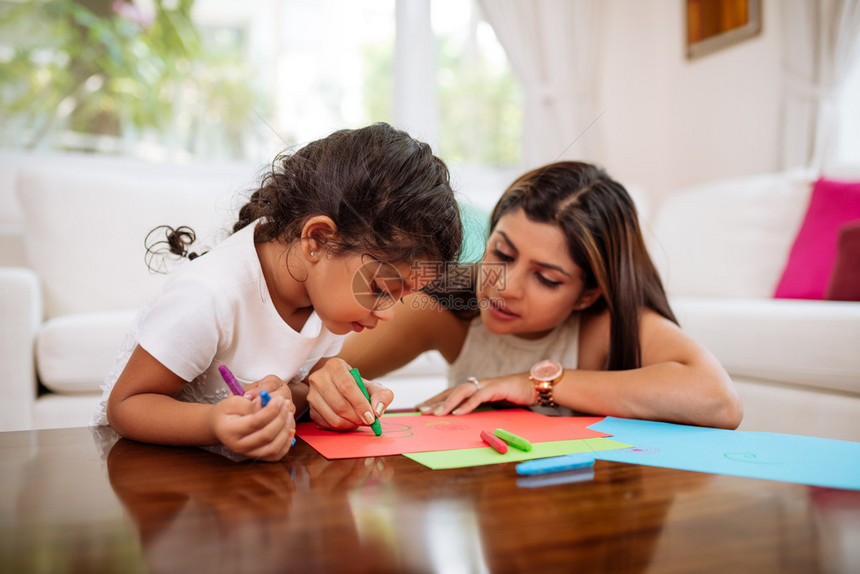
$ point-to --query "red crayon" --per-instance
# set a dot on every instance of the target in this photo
(494, 442)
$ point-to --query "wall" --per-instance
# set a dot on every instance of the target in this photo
(670, 122)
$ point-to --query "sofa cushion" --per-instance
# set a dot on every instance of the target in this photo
(813, 253)
(748, 336)
(844, 282)
(84, 231)
(730, 238)
(774, 407)
(63, 411)
(75, 353)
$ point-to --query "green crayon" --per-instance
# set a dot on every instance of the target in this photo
(376, 427)
(513, 440)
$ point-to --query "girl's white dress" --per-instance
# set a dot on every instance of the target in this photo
(217, 310)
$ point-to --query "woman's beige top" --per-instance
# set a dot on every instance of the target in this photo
(485, 354)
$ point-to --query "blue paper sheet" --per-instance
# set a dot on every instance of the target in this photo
(772, 456)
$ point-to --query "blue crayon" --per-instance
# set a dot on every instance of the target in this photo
(556, 463)
(265, 397)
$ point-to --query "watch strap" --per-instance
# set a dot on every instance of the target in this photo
(545, 398)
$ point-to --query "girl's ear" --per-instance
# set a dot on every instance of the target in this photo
(316, 232)
(587, 298)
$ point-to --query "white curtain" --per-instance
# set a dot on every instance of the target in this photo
(552, 46)
(821, 44)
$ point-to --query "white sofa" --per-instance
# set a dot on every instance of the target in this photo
(72, 270)
(721, 248)
(72, 276)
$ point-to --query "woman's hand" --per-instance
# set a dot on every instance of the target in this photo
(337, 403)
(253, 431)
(466, 397)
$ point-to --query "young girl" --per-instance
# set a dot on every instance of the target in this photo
(323, 248)
(566, 278)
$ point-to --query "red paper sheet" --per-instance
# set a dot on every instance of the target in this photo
(419, 433)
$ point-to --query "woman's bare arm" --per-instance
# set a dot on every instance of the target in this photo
(679, 381)
(420, 324)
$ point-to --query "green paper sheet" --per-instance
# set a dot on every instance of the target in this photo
(442, 459)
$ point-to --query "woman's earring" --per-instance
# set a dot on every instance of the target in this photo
(313, 253)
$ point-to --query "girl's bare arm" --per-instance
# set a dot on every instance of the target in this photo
(420, 324)
(141, 407)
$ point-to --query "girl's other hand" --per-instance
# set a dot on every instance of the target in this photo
(275, 386)
(253, 431)
(466, 397)
(337, 403)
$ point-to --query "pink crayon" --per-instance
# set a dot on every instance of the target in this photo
(494, 442)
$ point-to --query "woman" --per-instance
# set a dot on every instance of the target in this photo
(565, 277)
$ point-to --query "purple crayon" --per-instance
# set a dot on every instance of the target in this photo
(231, 381)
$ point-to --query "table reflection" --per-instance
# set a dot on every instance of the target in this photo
(595, 522)
(130, 507)
(419, 534)
(198, 511)
(308, 506)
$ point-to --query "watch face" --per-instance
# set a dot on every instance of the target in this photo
(546, 370)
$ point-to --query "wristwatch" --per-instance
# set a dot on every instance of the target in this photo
(544, 374)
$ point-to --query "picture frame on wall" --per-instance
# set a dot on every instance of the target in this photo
(712, 25)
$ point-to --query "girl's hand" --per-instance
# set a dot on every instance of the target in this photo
(275, 386)
(337, 403)
(253, 431)
(466, 397)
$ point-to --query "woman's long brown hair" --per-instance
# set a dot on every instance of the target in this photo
(601, 226)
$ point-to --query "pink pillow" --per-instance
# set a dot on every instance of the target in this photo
(811, 260)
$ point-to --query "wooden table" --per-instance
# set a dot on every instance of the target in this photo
(71, 505)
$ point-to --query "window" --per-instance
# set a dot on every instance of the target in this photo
(219, 79)
(480, 100)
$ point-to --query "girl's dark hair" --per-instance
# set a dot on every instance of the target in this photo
(386, 192)
(600, 224)
(174, 245)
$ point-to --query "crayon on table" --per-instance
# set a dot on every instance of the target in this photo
(231, 381)
(494, 442)
(376, 427)
(513, 440)
(556, 463)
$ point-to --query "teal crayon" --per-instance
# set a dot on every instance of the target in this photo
(557, 463)
(376, 427)
(513, 440)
